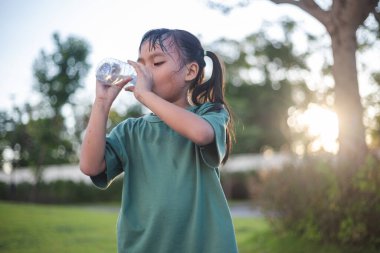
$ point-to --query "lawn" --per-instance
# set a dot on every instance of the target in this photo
(29, 228)
(254, 235)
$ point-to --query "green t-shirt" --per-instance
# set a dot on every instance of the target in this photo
(172, 198)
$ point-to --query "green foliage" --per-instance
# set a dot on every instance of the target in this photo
(37, 135)
(60, 73)
(260, 116)
(372, 104)
(60, 192)
(324, 203)
(116, 117)
(259, 87)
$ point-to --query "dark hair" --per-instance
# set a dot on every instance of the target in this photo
(200, 91)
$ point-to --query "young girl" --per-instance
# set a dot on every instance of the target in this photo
(172, 197)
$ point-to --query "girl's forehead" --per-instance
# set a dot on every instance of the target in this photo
(166, 48)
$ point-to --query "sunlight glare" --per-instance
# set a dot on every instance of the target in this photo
(322, 124)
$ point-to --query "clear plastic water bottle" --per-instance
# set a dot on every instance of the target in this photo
(111, 71)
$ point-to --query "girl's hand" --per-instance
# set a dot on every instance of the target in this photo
(144, 80)
(108, 93)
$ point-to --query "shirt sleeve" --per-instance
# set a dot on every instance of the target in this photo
(213, 153)
(114, 158)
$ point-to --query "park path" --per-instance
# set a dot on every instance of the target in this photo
(243, 209)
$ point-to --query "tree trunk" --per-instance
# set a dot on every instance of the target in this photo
(342, 21)
(352, 145)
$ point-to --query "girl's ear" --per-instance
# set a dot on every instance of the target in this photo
(192, 71)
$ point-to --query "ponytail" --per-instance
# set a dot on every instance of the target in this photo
(213, 91)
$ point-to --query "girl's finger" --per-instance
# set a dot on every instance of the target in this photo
(130, 88)
(135, 65)
(123, 82)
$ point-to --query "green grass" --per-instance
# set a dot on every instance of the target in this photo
(31, 228)
(27, 228)
(256, 235)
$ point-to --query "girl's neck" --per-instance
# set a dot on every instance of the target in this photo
(182, 99)
(183, 103)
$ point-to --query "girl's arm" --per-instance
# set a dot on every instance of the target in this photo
(186, 123)
(92, 161)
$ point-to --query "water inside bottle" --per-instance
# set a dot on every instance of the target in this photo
(110, 73)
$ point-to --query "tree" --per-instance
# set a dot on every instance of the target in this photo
(261, 81)
(37, 133)
(59, 74)
(373, 101)
(342, 19)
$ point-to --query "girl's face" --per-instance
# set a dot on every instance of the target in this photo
(169, 75)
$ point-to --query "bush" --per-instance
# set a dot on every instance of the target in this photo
(324, 203)
(61, 191)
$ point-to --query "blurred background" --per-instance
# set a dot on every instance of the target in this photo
(303, 82)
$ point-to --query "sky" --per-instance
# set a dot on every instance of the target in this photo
(113, 28)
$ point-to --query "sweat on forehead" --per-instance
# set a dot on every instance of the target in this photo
(163, 40)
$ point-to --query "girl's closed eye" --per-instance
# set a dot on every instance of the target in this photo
(159, 63)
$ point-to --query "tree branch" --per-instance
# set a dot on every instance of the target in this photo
(310, 6)
(377, 16)
(357, 11)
